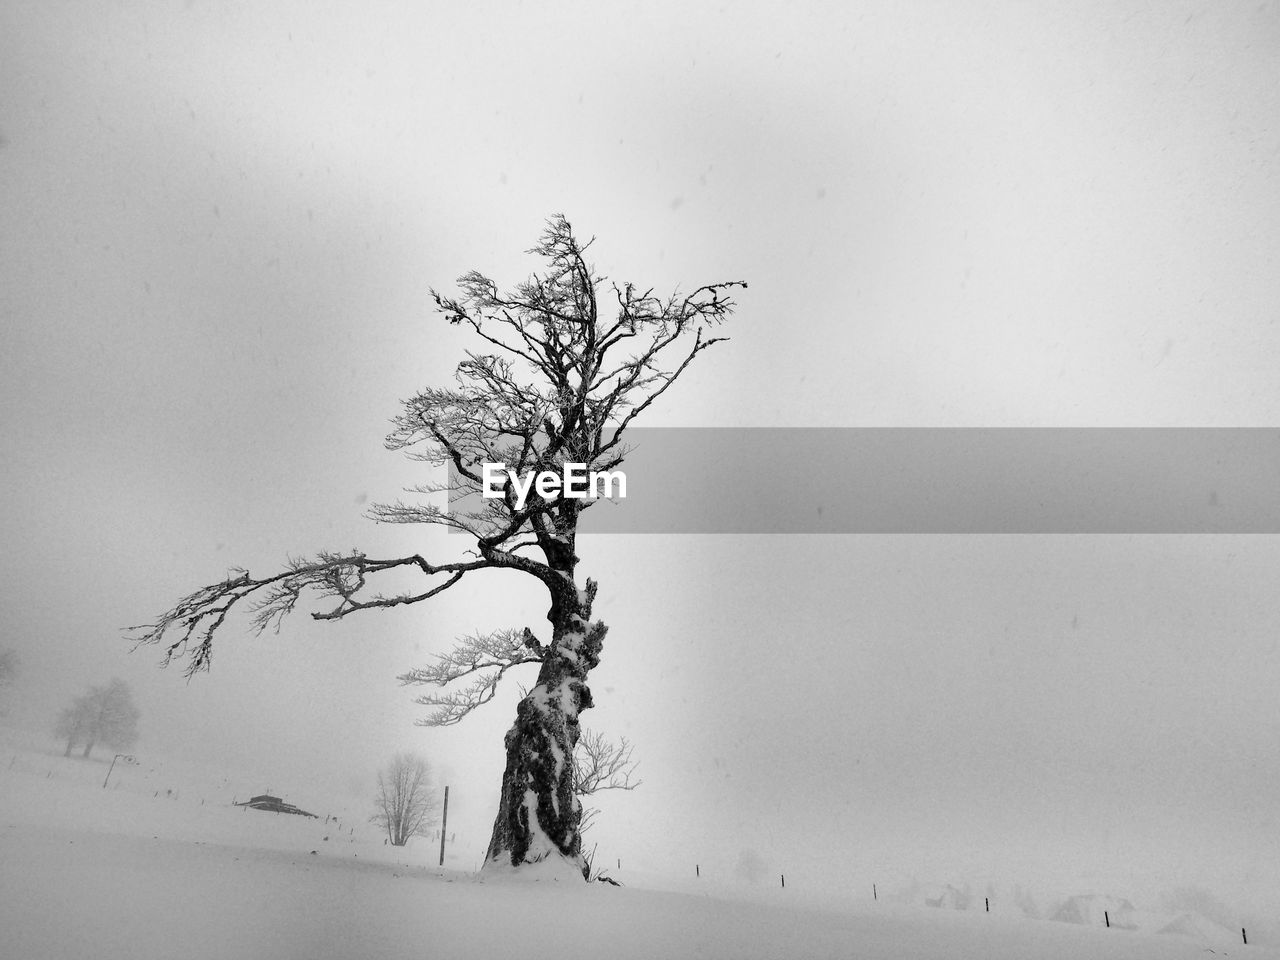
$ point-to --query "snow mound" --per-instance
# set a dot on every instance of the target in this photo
(1096, 910)
(1200, 929)
(550, 869)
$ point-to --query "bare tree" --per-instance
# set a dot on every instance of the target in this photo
(72, 723)
(557, 379)
(105, 714)
(751, 867)
(9, 665)
(601, 764)
(405, 798)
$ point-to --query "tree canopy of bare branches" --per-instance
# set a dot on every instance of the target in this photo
(601, 764)
(105, 714)
(565, 362)
(405, 798)
(9, 665)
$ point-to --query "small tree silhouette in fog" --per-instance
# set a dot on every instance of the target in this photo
(405, 798)
(8, 673)
(750, 867)
(105, 714)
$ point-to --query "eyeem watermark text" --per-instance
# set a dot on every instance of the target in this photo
(575, 482)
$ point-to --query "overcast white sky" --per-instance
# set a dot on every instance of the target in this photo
(221, 221)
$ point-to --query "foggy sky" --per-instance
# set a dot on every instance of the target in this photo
(221, 224)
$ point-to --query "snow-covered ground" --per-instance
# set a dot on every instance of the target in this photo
(160, 864)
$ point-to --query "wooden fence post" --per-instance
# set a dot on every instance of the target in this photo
(444, 823)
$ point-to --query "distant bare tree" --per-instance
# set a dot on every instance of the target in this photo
(405, 798)
(751, 867)
(9, 664)
(72, 723)
(601, 764)
(105, 714)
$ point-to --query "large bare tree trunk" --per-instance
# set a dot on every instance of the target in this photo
(539, 811)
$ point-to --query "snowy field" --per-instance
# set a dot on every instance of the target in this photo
(160, 864)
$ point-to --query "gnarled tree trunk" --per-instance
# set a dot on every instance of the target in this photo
(539, 811)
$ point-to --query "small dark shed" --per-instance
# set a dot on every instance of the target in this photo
(275, 804)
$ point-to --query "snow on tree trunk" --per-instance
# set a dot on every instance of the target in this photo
(539, 811)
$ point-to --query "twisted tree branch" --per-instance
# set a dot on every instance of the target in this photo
(342, 577)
